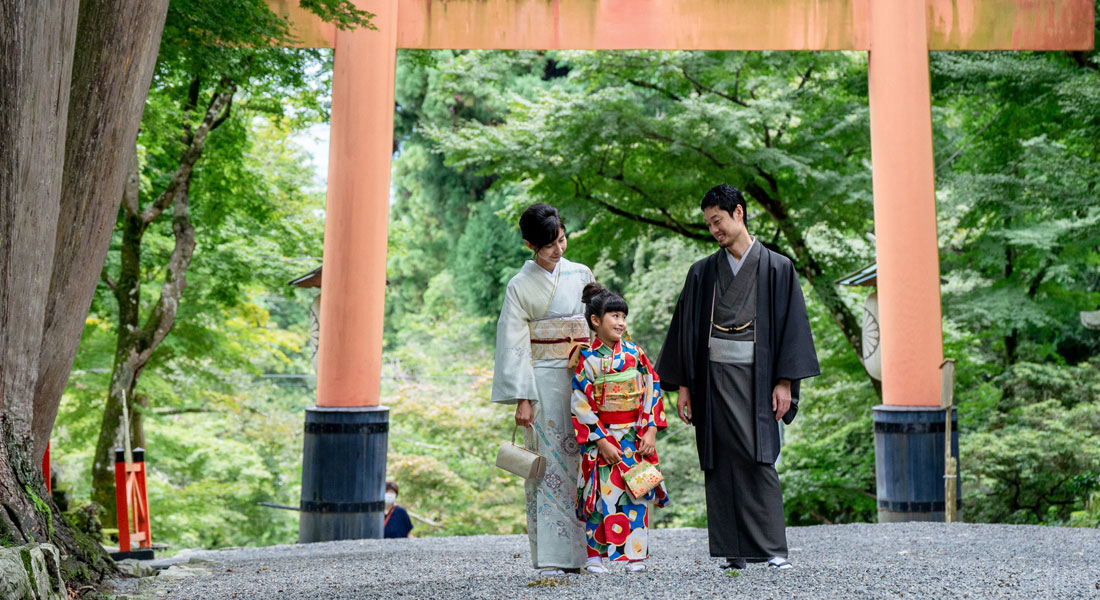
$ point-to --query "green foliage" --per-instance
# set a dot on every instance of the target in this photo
(831, 479)
(444, 433)
(655, 279)
(631, 140)
(442, 217)
(222, 435)
(1038, 461)
(487, 254)
(1020, 221)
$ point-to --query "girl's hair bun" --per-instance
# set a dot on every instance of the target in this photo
(591, 290)
(599, 301)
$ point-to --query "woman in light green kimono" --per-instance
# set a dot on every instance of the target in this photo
(541, 320)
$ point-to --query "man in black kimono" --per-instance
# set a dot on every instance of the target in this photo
(738, 344)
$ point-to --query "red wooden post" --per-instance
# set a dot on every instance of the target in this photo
(121, 498)
(46, 468)
(140, 500)
(130, 494)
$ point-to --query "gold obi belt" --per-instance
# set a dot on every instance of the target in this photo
(618, 396)
(553, 339)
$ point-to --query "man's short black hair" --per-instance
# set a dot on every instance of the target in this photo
(540, 224)
(727, 198)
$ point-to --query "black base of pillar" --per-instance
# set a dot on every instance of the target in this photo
(343, 473)
(139, 554)
(909, 463)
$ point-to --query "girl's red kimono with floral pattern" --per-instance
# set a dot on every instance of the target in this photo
(616, 396)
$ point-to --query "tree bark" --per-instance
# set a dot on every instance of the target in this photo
(36, 52)
(63, 113)
(116, 50)
(135, 343)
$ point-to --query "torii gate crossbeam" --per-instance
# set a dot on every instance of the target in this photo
(898, 34)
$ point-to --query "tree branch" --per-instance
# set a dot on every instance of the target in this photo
(163, 317)
(651, 86)
(611, 208)
(806, 263)
(699, 85)
(671, 223)
(216, 112)
(737, 75)
(131, 190)
(167, 412)
(664, 138)
(962, 147)
(106, 279)
(787, 118)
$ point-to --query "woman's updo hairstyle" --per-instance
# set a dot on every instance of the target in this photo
(540, 225)
(599, 301)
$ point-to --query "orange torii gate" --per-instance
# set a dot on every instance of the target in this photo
(897, 33)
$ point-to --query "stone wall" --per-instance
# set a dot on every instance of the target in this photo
(31, 572)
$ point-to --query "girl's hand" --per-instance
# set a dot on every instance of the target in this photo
(525, 413)
(609, 452)
(647, 444)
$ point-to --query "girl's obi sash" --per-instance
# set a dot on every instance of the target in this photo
(618, 397)
(553, 339)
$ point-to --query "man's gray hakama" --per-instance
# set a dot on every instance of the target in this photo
(744, 498)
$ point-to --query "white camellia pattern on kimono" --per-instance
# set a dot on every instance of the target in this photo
(556, 535)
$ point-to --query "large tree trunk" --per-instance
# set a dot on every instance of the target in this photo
(116, 50)
(61, 123)
(36, 52)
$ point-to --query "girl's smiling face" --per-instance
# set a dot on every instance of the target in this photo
(611, 327)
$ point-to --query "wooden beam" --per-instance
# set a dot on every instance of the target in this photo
(713, 24)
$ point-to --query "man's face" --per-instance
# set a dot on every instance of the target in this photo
(722, 226)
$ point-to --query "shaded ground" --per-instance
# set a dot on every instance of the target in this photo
(904, 560)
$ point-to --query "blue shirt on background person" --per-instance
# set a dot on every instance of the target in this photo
(397, 522)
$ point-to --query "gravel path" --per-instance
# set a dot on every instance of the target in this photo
(904, 560)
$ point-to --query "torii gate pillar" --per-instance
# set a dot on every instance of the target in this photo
(909, 425)
(344, 456)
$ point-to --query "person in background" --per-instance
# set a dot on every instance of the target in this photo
(397, 523)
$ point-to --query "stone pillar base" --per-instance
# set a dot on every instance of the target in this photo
(909, 463)
(343, 473)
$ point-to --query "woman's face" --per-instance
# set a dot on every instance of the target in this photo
(549, 255)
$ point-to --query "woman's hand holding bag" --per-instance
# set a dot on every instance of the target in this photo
(519, 460)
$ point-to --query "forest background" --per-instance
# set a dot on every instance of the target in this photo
(624, 144)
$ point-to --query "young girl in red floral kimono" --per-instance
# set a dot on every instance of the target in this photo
(617, 411)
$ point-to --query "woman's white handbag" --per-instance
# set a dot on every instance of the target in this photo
(519, 460)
